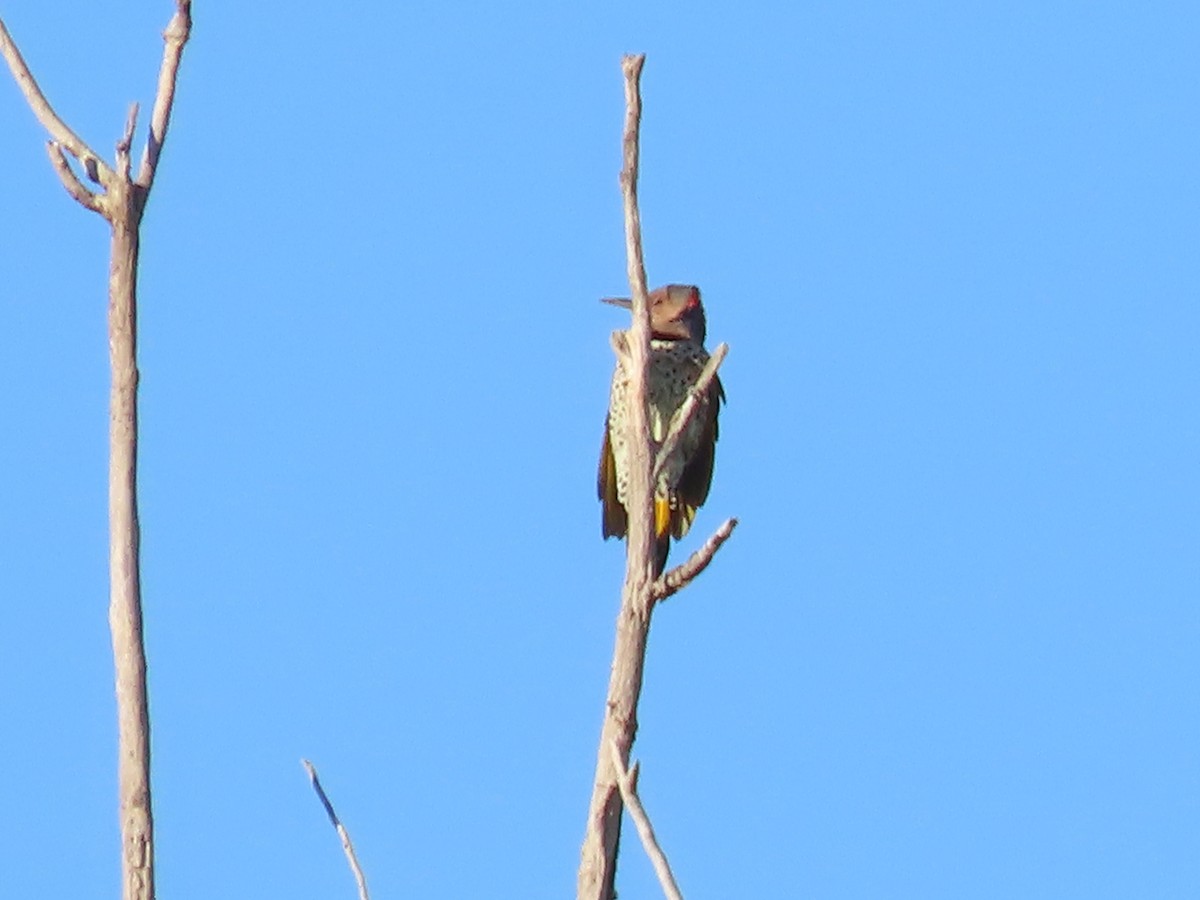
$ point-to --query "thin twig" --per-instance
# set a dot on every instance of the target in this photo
(59, 131)
(178, 31)
(681, 576)
(619, 341)
(126, 142)
(70, 180)
(626, 781)
(688, 409)
(347, 846)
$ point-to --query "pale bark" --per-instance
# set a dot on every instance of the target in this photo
(598, 864)
(681, 576)
(122, 203)
(598, 858)
(627, 782)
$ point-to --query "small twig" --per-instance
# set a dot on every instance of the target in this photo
(126, 142)
(619, 341)
(687, 410)
(70, 180)
(59, 131)
(681, 576)
(178, 31)
(341, 830)
(627, 782)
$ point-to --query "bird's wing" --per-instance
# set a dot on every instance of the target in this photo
(613, 522)
(696, 477)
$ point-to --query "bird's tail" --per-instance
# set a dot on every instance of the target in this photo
(662, 533)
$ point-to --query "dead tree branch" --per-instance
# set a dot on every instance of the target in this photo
(70, 180)
(347, 846)
(641, 590)
(681, 576)
(627, 782)
(598, 862)
(122, 204)
(176, 35)
(45, 113)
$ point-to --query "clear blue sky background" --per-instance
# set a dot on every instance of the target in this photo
(950, 652)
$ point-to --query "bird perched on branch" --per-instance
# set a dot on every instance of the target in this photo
(677, 356)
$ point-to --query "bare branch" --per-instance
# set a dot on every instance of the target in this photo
(125, 590)
(619, 341)
(687, 410)
(626, 781)
(70, 180)
(631, 66)
(640, 537)
(681, 576)
(598, 858)
(179, 29)
(121, 205)
(347, 846)
(612, 785)
(45, 113)
(126, 142)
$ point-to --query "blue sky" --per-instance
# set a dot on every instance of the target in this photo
(951, 650)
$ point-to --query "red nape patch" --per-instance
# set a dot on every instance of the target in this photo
(693, 300)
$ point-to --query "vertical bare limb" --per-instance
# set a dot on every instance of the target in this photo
(121, 204)
(125, 603)
(347, 846)
(598, 863)
(627, 781)
(641, 590)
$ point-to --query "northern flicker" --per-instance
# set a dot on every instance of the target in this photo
(677, 355)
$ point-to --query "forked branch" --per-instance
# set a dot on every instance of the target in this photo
(627, 781)
(122, 204)
(117, 181)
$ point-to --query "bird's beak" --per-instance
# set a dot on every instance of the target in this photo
(623, 302)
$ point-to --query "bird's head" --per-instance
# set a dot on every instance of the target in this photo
(676, 313)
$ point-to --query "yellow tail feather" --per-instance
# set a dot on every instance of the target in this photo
(662, 516)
